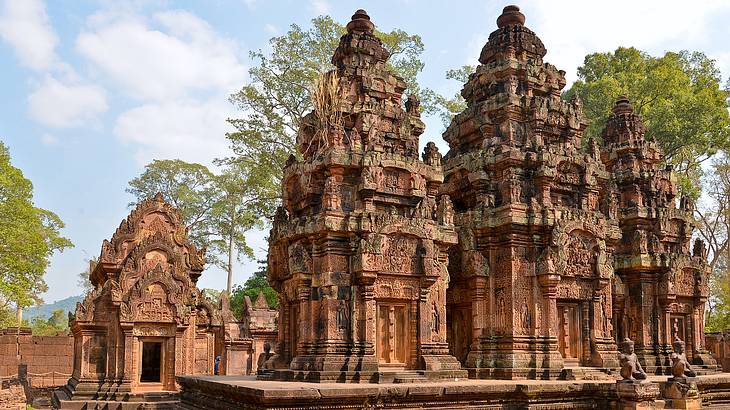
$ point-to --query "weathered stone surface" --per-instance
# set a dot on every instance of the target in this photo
(566, 247)
(144, 292)
(359, 250)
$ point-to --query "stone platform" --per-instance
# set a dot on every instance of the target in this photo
(226, 392)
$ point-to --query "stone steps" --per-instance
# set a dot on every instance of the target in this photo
(409, 376)
(587, 373)
(118, 405)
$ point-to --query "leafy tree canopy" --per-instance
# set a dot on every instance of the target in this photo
(278, 95)
(256, 284)
(217, 210)
(28, 237)
(446, 108)
(57, 323)
(189, 187)
(678, 96)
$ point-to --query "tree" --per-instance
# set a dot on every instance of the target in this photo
(217, 210)
(678, 95)
(55, 324)
(446, 108)
(189, 187)
(28, 238)
(84, 280)
(254, 285)
(714, 227)
(237, 211)
(278, 95)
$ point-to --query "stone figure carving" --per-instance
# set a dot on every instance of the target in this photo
(680, 366)
(332, 198)
(435, 322)
(261, 362)
(445, 211)
(630, 367)
(431, 155)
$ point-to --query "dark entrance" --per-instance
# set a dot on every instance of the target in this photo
(151, 360)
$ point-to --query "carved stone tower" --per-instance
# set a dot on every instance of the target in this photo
(358, 252)
(146, 321)
(530, 279)
(660, 285)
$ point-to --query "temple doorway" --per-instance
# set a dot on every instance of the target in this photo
(393, 336)
(459, 321)
(569, 334)
(151, 362)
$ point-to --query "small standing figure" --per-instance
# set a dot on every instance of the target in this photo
(217, 366)
(680, 365)
(630, 367)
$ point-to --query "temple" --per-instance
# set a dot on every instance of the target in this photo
(359, 250)
(660, 282)
(146, 321)
(526, 252)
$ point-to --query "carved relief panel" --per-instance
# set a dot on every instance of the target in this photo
(154, 305)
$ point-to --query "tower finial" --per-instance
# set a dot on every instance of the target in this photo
(360, 22)
(511, 16)
(623, 105)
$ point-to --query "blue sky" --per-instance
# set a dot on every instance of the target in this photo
(93, 90)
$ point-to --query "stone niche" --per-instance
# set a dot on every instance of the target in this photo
(145, 321)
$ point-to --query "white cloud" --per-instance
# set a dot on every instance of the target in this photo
(25, 26)
(319, 7)
(58, 104)
(49, 139)
(189, 130)
(571, 29)
(271, 29)
(168, 57)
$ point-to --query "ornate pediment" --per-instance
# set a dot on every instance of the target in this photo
(152, 225)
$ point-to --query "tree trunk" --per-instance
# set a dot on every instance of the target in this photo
(230, 256)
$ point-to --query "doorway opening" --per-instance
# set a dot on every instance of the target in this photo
(569, 333)
(151, 362)
(393, 338)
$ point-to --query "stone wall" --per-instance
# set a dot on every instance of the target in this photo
(49, 358)
(719, 345)
(12, 396)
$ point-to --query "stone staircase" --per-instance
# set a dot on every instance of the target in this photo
(588, 373)
(141, 401)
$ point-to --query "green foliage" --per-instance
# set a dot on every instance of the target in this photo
(28, 237)
(278, 96)
(57, 323)
(8, 317)
(256, 284)
(218, 210)
(717, 317)
(678, 95)
(213, 295)
(447, 108)
(189, 187)
(713, 226)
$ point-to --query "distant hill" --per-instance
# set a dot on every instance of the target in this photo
(44, 311)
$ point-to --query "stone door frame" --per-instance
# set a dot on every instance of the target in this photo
(152, 386)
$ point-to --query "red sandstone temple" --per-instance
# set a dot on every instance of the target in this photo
(525, 252)
(146, 321)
